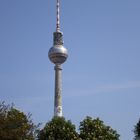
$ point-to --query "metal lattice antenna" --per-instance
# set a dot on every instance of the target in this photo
(58, 16)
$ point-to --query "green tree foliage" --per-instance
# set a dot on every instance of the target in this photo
(58, 129)
(90, 129)
(137, 130)
(15, 125)
(95, 129)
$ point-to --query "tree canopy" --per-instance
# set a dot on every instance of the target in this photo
(137, 130)
(15, 125)
(95, 129)
(58, 129)
(90, 129)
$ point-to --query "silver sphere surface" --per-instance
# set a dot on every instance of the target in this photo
(58, 54)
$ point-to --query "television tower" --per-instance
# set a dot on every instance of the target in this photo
(58, 55)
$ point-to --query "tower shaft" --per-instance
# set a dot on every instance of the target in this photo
(58, 92)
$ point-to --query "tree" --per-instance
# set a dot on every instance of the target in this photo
(137, 130)
(95, 129)
(90, 129)
(58, 129)
(15, 125)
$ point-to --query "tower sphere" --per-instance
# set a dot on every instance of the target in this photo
(58, 54)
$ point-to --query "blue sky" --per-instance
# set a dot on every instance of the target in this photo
(101, 77)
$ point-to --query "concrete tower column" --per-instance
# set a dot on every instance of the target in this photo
(58, 92)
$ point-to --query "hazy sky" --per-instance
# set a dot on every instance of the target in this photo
(101, 77)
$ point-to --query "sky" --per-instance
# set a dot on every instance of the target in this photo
(101, 77)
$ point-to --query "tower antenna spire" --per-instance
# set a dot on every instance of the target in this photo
(58, 16)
